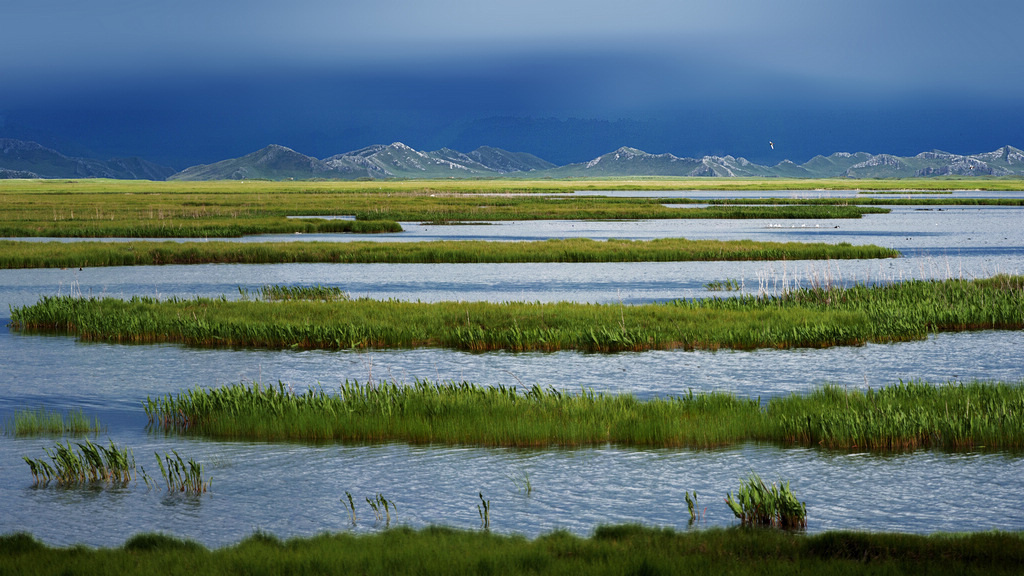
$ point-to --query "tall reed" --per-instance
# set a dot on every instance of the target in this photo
(182, 476)
(88, 463)
(758, 504)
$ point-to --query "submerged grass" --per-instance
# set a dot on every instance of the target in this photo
(903, 416)
(16, 254)
(622, 549)
(809, 317)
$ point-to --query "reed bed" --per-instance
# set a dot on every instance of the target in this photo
(16, 254)
(28, 422)
(818, 316)
(446, 412)
(86, 464)
(621, 549)
(903, 416)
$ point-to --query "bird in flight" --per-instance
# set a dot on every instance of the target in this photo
(772, 144)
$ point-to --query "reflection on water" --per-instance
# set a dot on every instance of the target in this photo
(296, 489)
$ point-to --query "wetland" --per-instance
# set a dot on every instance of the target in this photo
(259, 483)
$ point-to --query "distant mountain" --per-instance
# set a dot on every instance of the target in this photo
(24, 159)
(1007, 161)
(400, 161)
(392, 161)
(273, 163)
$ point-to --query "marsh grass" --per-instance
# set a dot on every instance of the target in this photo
(86, 463)
(182, 476)
(17, 254)
(105, 208)
(903, 416)
(276, 293)
(760, 504)
(818, 316)
(724, 285)
(27, 422)
(621, 549)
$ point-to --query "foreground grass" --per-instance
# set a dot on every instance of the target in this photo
(15, 254)
(625, 549)
(899, 417)
(810, 317)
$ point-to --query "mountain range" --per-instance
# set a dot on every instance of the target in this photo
(22, 159)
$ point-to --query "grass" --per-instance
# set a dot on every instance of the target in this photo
(139, 209)
(27, 422)
(182, 476)
(136, 209)
(623, 549)
(819, 316)
(87, 464)
(904, 416)
(16, 254)
(758, 504)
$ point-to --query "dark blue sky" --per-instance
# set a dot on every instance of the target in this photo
(198, 81)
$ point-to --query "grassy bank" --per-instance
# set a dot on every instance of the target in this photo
(898, 417)
(810, 317)
(625, 549)
(14, 254)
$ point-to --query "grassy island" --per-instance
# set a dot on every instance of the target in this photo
(904, 416)
(810, 317)
(14, 254)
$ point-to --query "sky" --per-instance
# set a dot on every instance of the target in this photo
(197, 81)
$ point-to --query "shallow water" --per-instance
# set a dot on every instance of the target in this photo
(262, 486)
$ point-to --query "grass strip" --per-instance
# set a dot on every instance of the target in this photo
(809, 317)
(15, 254)
(621, 549)
(904, 416)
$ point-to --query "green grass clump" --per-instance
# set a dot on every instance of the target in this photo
(88, 463)
(18, 254)
(182, 476)
(898, 417)
(276, 293)
(758, 504)
(622, 549)
(26, 422)
(809, 317)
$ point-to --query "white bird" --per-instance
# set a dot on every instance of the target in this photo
(772, 144)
